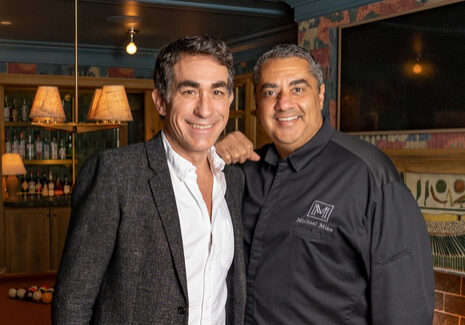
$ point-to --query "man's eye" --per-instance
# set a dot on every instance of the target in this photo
(218, 93)
(189, 92)
(298, 90)
(270, 93)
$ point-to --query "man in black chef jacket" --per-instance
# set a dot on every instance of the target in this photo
(332, 235)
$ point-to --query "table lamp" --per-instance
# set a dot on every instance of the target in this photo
(12, 165)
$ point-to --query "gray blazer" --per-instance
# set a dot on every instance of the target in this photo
(123, 261)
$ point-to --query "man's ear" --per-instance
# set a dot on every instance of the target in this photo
(321, 95)
(231, 98)
(159, 101)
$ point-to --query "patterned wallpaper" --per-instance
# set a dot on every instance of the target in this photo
(319, 36)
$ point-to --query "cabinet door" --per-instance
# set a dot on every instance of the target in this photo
(59, 219)
(27, 234)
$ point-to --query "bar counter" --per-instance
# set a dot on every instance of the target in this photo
(32, 201)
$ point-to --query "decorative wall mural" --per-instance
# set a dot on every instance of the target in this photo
(441, 198)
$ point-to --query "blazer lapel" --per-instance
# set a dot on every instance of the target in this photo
(163, 195)
(234, 200)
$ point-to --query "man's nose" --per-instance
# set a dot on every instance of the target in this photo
(284, 101)
(203, 107)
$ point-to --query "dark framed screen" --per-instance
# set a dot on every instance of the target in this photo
(405, 72)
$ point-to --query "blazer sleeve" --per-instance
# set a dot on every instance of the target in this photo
(89, 243)
(402, 280)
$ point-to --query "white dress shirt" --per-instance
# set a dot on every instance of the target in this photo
(208, 245)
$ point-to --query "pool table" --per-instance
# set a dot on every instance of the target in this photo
(24, 312)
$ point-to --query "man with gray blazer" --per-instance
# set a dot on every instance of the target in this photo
(155, 234)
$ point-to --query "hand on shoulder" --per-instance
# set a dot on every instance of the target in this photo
(235, 147)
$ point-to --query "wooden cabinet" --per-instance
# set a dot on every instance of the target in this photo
(59, 219)
(34, 238)
(27, 239)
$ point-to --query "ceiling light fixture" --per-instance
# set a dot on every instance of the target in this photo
(47, 111)
(131, 48)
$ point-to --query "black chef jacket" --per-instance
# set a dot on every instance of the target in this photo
(333, 236)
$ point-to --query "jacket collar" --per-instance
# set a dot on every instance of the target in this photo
(302, 156)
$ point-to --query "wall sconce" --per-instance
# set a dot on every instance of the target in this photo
(131, 48)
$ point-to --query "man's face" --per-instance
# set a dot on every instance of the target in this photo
(289, 103)
(198, 109)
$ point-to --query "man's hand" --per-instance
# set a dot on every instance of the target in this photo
(236, 147)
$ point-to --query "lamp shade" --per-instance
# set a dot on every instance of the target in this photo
(112, 105)
(94, 103)
(12, 164)
(47, 105)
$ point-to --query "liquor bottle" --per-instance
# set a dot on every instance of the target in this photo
(14, 112)
(15, 144)
(69, 147)
(51, 185)
(66, 186)
(24, 111)
(62, 150)
(32, 183)
(22, 145)
(38, 183)
(44, 185)
(54, 149)
(38, 146)
(29, 148)
(58, 187)
(6, 110)
(7, 143)
(45, 149)
(24, 184)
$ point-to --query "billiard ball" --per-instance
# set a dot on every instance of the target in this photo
(37, 295)
(12, 293)
(46, 297)
(20, 293)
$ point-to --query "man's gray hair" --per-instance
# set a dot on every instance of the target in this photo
(283, 51)
(190, 45)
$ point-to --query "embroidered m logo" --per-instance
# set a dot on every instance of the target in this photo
(320, 210)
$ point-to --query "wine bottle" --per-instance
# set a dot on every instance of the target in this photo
(7, 143)
(62, 151)
(69, 147)
(14, 112)
(38, 183)
(29, 148)
(54, 149)
(45, 149)
(51, 185)
(58, 187)
(15, 144)
(32, 183)
(24, 111)
(22, 145)
(6, 110)
(66, 186)
(38, 147)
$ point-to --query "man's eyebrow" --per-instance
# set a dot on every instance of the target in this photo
(219, 84)
(299, 81)
(268, 85)
(188, 83)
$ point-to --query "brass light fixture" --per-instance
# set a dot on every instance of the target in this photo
(47, 110)
(131, 48)
(49, 114)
